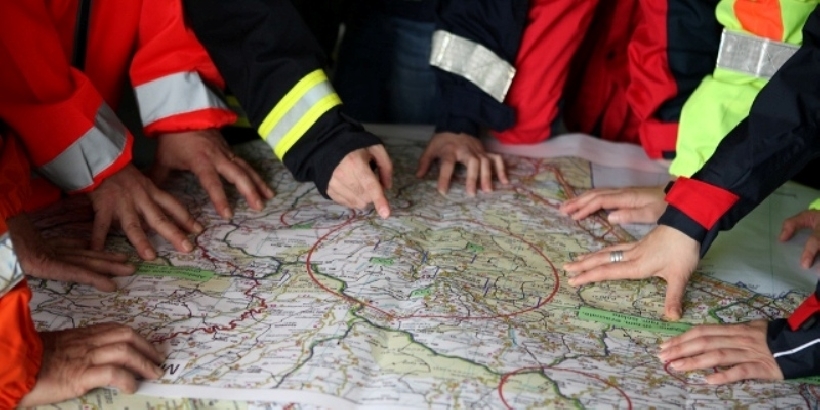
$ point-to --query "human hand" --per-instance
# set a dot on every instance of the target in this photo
(450, 148)
(742, 347)
(65, 259)
(806, 219)
(353, 183)
(76, 361)
(127, 197)
(665, 253)
(206, 154)
(628, 205)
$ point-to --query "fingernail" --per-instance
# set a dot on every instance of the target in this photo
(259, 205)
(662, 356)
(613, 219)
(571, 281)
(384, 213)
(187, 245)
(198, 228)
(159, 372)
(664, 345)
(149, 255)
(227, 214)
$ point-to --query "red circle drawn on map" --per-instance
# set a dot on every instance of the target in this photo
(506, 377)
(392, 316)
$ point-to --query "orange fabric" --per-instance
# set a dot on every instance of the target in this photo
(21, 346)
(191, 121)
(50, 105)
(761, 17)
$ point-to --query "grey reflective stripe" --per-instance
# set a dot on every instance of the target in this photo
(10, 272)
(299, 109)
(471, 60)
(756, 56)
(175, 94)
(76, 167)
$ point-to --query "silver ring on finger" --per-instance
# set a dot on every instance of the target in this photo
(616, 256)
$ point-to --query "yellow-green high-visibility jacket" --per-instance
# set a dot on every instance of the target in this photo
(723, 99)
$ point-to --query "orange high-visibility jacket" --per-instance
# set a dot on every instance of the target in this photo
(65, 116)
(19, 342)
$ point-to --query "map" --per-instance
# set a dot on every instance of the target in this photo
(452, 302)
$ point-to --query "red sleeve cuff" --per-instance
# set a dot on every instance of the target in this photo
(192, 121)
(805, 313)
(702, 202)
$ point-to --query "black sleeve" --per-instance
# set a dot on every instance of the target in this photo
(498, 26)
(778, 138)
(797, 352)
(263, 48)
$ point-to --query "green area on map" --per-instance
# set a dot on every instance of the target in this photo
(381, 261)
(472, 247)
(420, 293)
(806, 380)
(633, 322)
(182, 272)
(306, 225)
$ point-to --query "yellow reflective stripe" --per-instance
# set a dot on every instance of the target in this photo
(289, 100)
(304, 124)
(297, 111)
(815, 205)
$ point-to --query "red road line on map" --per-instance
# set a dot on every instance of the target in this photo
(391, 316)
(506, 377)
(232, 324)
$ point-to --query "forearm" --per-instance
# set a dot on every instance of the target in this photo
(474, 51)
(779, 137)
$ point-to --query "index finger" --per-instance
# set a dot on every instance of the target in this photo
(375, 193)
(384, 164)
(673, 304)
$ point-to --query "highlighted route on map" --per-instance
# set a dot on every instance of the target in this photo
(199, 275)
(633, 322)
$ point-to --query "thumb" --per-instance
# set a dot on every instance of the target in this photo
(673, 306)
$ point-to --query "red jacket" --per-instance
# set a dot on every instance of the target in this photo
(19, 342)
(619, 69)
(64, 116)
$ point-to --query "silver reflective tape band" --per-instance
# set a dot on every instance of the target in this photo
(10, 272)
(299, 109)
(472, 61)
(174, 94)
(76, 167)
(756, 56)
